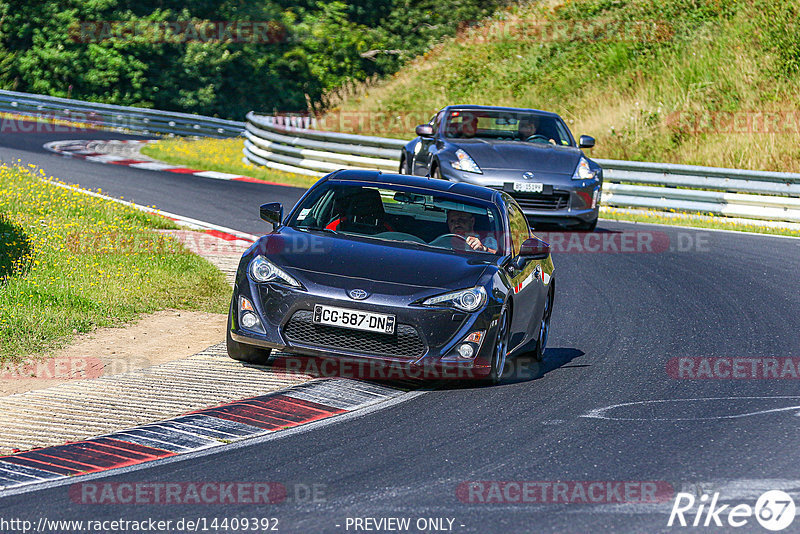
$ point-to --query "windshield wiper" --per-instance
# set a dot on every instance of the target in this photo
(420, 244)
(309, 229)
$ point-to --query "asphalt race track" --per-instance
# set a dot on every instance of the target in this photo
(621, 320)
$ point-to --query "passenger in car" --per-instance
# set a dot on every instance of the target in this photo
(469, 126)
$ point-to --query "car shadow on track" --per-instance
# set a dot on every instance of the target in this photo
(390, 375)
(521, 369)
(524, 368)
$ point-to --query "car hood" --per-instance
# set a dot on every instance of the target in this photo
(516, 155)
(315, 256)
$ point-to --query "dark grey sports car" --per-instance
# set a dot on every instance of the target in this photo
(527, 153)
(429, 275)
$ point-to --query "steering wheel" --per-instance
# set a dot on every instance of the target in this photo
(538, 137)
(445, 236)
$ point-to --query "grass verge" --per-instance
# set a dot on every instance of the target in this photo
(692, 219)
(222, 155)
(72, 263)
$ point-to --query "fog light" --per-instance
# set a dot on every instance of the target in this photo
(245, 305)
(466, 351)
(249, 320)
(475, 337)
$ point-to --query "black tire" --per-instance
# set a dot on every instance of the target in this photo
(544, 327)
(244, 353)
(403, 165)
(588, 226)
(436, 174)
(500, 354)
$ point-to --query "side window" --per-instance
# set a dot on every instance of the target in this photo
(519, 227)
(562, 131)
(437, 121)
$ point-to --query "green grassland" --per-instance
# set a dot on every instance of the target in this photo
(70, 263)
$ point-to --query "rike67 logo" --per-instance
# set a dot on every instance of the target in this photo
(774, 510)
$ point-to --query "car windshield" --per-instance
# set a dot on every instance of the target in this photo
(408, 215)
(506, 125)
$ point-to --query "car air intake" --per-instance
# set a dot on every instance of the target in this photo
(559, 200)
(406, 343)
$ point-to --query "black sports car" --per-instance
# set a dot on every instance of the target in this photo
(419, 272)
(527, 153)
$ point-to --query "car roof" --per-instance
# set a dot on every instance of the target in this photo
(499, 108)
(459, 188)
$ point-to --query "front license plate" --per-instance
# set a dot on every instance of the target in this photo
(358, 320)
(528, 187)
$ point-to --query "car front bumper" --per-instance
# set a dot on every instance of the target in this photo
(562, 200)
(423, 346)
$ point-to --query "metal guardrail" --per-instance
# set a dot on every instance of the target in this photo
(288, 144)
(770, 196)
(123, 117)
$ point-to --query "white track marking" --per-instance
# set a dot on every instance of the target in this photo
(601, 413)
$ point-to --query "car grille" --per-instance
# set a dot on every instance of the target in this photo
(537, 201)
(406, 343)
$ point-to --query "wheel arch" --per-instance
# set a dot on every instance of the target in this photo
(508, 306)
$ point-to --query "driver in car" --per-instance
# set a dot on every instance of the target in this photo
(525, 129)
(528, 128)
(462, 224)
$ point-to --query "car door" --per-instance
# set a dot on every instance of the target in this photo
(526, 278)
(424, 150)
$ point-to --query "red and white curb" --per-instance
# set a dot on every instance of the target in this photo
(204, 429)
(83, 149)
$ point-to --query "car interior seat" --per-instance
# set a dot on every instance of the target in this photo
(363, 212)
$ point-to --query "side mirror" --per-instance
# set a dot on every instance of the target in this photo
(272, 213)
(424, 130)
(586, 141)
(534, 249)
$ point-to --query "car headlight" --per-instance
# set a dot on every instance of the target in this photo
(263, 270)
(467, 300)
(465, 163)
(583, 171)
